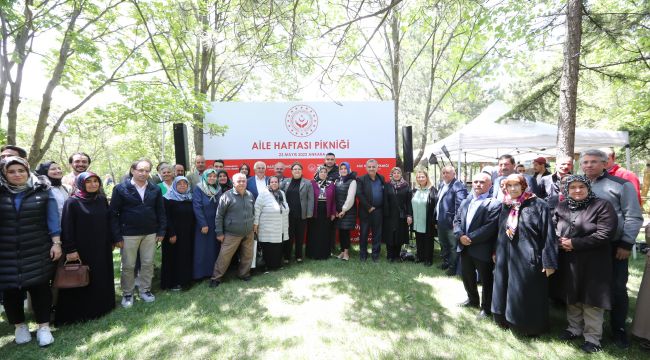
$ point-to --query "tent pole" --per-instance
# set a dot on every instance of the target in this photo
(627, 156)
(459, 156)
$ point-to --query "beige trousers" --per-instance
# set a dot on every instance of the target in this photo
(228, 249)
(586, 320)
(146, 246)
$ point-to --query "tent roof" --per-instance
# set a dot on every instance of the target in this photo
(483, 139)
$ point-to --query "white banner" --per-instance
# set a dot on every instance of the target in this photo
(277, 130)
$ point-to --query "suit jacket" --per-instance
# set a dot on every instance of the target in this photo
(449, 203)
(251, 185)
(482, 230)
(364, 194)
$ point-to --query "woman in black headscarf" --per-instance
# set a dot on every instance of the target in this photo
(346, 208)
(29, 245)
(53, 172)
(585, 226)
(86, 238)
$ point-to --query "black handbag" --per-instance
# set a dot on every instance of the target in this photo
(259, 255)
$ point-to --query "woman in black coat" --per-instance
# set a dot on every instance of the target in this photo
(86, 237)
(29, 245)
(178, 245)
(423, 205)
(526, 254)
(397, 214)
(585, 225)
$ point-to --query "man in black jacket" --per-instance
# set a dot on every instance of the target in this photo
(370, 191)
(475, 227)
(138, 222)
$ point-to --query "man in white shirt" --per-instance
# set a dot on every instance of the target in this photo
(258, 183)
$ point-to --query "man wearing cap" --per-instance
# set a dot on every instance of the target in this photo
(539, 165)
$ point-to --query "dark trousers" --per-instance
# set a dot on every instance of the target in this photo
(272, 253)
(296, 236)
(620, 300)
(424, 246)
(333, 236)
(469, 267)
(393, 251)
(41, 303)
(448, 245)
(344, 239)
(374, 222)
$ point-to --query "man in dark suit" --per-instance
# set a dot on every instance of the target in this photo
(370, 191)
(452, 193)
(475, 227)
(256, 184)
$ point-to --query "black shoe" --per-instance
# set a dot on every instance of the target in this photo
(590, 348)
(468, 303)
(483, 315)
(443, 266)
(428, 263)
(246, 278)
(214, 283)
(620, 339)
(567, 335)
(450, 272)
(375, 260)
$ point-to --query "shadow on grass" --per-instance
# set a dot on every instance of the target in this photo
(318, 309)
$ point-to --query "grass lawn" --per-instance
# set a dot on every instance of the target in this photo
(315, 310)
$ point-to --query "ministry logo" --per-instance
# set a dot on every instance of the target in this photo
(301, 120)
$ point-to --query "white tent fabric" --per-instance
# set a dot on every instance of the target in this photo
(484, 140)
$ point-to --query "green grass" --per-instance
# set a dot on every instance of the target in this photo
(315, 310)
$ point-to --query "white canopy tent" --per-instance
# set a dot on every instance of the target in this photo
(484, 140)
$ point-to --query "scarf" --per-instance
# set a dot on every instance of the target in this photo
(174, 194)
(228, 185)
(322, 183)
(277, 195)
(513, 215)
(351, 174)
(80, 186)
(33, 181)
(575, 205)
(397, 184)
(210, 191)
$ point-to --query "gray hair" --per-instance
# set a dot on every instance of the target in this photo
(371, 161)
(165, 166)
(259, 163)
(485, 175)
(594, 152)
(238, 175)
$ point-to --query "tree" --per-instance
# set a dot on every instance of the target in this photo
(569, 82)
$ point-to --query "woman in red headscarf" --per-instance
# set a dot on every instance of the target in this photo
(86, 237)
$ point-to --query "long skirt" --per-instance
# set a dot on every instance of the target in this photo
(272, 253)
(318, 243)
(641, 324)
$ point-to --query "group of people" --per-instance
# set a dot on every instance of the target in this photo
(526, 239)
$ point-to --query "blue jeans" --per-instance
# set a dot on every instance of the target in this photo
(373, 222)
(620, 300)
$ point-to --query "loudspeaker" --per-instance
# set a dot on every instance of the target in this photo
(180, 146)
(407, 148)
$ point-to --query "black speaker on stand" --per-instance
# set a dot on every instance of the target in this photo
(180, 146)
(407, 148)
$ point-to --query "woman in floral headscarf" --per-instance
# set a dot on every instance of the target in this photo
(86, 238)
(584, 226)
(526, 254)
(205, 198)
(178, 245)
(318, 246)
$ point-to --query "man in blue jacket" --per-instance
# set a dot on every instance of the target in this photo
(452, 193)
(138, 221)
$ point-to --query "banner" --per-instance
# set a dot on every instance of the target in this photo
(304, 132)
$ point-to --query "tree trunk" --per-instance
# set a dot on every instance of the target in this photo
(395, 74)
(569, 82)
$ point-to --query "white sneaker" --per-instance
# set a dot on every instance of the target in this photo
(127, 301)
(147, 296)
(44, 336)
(22, 334)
